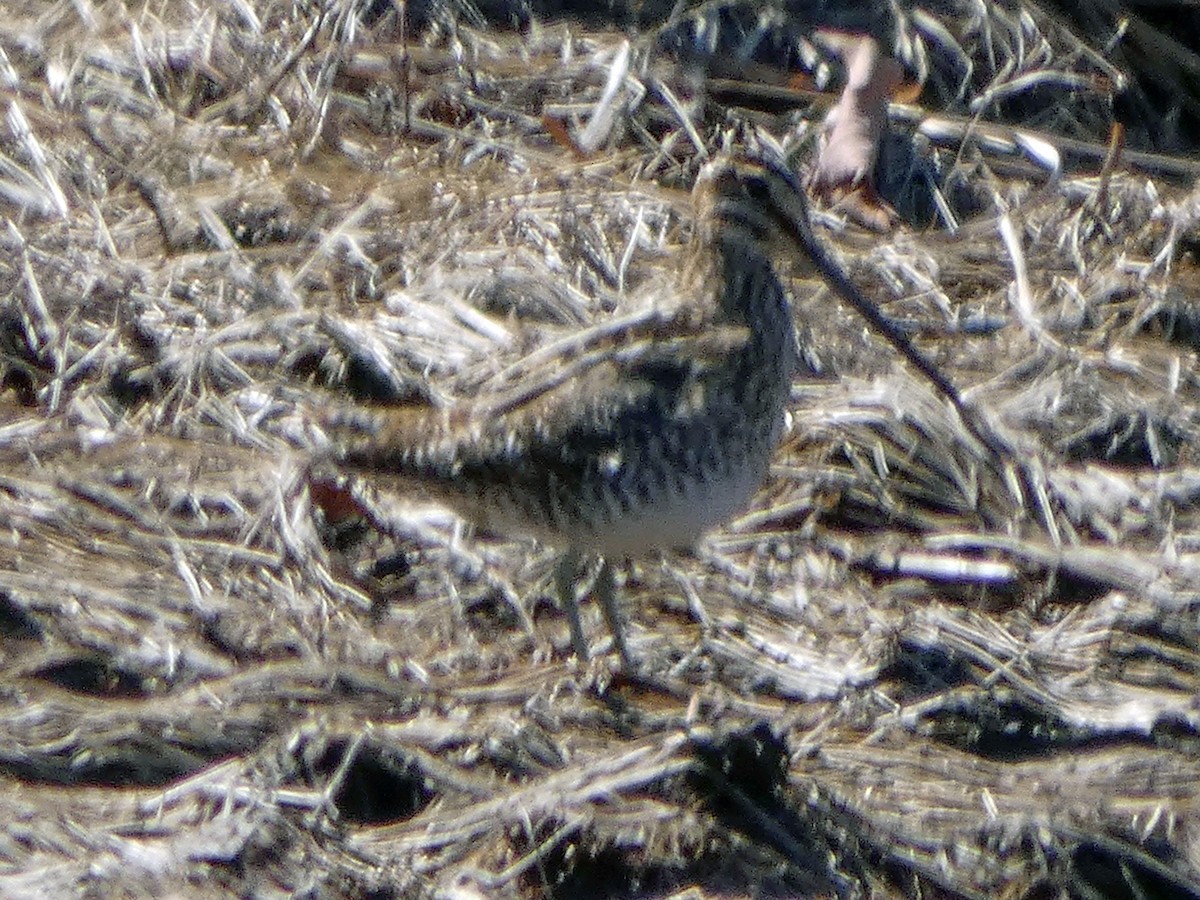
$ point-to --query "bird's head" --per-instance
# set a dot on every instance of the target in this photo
(754, 198)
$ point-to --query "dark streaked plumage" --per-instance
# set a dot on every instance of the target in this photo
(645, 444)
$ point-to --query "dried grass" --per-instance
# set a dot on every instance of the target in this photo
(912, 669)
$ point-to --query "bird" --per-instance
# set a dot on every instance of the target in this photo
(642, 446)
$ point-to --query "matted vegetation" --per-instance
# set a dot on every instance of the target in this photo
(913, 668)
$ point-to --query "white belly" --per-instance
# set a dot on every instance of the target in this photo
(674, 521)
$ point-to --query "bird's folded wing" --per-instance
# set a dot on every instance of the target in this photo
(559, 414)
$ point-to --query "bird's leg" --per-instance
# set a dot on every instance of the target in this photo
(606, 592)
(565, 572)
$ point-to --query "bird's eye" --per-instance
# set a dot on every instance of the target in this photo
(757, 190)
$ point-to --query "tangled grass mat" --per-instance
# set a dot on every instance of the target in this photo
(910, 669)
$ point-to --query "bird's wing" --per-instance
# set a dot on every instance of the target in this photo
(559, 414)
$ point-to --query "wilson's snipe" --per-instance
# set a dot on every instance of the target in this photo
(649, 444)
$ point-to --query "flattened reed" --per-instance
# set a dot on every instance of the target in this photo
(913, 667)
